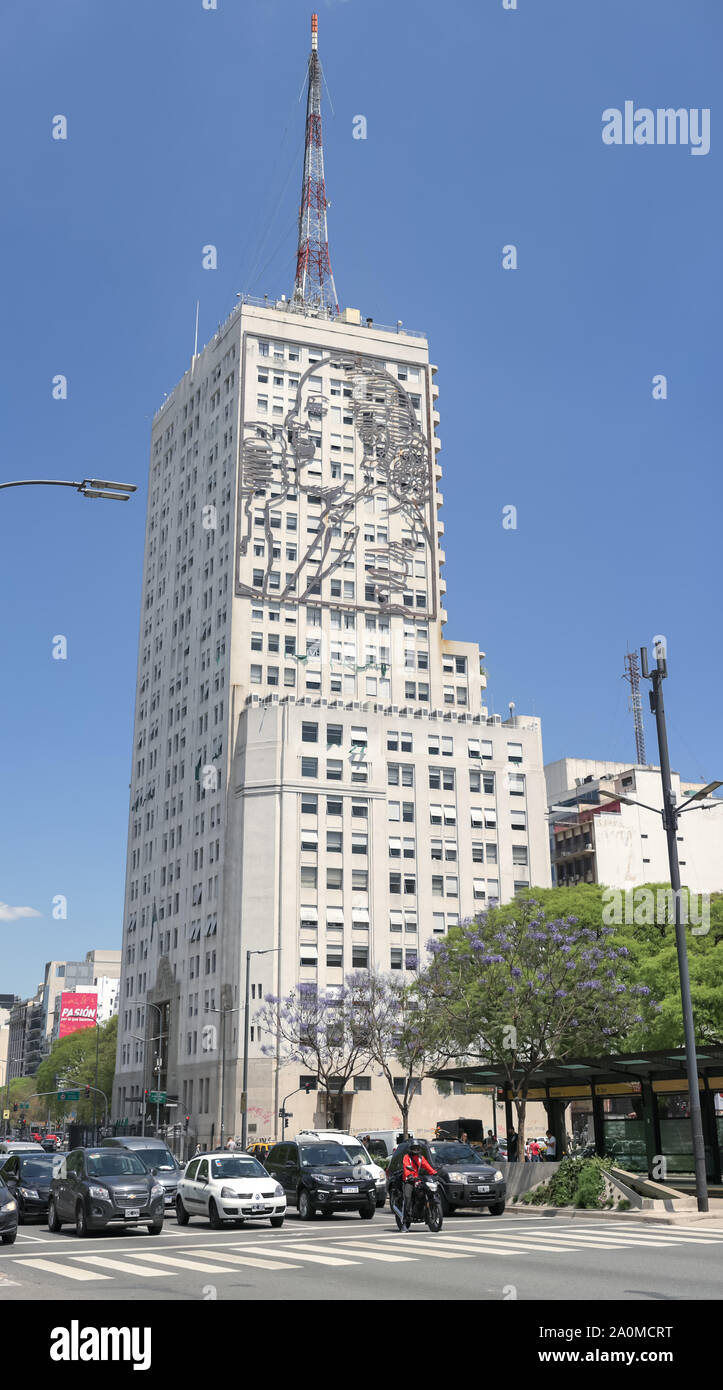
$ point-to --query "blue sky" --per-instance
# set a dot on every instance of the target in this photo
(483, 129)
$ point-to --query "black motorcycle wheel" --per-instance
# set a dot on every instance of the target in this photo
(433, 1214)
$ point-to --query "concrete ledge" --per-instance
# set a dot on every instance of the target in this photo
(521, 1177)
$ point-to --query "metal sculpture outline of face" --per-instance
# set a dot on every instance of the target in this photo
(395, 464)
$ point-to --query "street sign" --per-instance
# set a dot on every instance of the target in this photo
(6, 1114)
(68, 1095)
(25, 1105)
(157, 1097)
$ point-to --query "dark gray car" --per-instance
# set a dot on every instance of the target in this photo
(28, 1177)
(8, 1215)
(97, 1188)
(157, 1157)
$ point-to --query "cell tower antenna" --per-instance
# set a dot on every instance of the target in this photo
(314, 286)
(632, 675)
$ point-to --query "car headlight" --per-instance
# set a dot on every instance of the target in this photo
(30, 1192)
(9, 1206)
(499, 1177)
(101, 1192)
(381, 1180)
(457, 1177)
(323, 1178)
(157, 1190)
(229, 1192)
(278, 1190)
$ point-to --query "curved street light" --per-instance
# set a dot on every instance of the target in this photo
(89, 487)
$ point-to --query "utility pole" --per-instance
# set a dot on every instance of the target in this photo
(670, 823)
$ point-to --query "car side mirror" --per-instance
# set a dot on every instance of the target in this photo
(154, 1171)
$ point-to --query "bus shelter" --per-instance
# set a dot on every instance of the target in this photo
(631, 1106)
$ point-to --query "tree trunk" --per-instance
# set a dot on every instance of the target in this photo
(405, 1119)
(521, 1107)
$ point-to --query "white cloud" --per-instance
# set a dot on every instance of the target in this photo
(10, 914)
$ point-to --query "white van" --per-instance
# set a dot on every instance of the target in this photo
(390, 1138)
(355, 1149)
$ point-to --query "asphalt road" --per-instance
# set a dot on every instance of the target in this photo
(474, 1257)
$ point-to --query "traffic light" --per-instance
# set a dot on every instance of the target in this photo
(187, 1122)
(15, 1106)
(145, 1095)
(307, 1087)
(286, 1121)
(87, 1093)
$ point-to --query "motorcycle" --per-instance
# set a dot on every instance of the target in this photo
(426, 1204)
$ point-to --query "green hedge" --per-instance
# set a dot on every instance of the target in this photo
(578, 1182)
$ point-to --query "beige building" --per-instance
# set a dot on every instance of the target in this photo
(599, 838)
(315, 773)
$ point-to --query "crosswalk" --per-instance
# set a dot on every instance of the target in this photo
(348, 1249)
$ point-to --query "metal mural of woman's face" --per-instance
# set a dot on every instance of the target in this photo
(277, 461)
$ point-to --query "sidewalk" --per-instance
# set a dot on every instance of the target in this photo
(685, 1217)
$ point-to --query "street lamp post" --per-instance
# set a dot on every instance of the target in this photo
(670, 815)
(159, 1040)
(670, 822)
(223, 1011)
(244, 1084)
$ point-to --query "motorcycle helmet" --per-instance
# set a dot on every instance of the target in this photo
(415, 1147)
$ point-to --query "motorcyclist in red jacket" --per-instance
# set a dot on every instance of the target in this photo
(413, 1165)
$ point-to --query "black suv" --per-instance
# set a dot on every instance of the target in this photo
(465, 1180)
(321, 1176)
(29, 1177)
(95, 1188)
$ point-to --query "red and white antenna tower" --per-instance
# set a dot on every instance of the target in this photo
(314, 285)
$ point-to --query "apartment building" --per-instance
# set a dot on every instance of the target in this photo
(596, 836)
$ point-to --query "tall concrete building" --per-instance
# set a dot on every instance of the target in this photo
(315, 775)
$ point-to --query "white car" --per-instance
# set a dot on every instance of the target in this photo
(356, 1151)
(224, 1186)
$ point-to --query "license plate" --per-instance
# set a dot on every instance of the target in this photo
(482, 1189)
(133, 1211)
(170, 1199)
(350, 1189)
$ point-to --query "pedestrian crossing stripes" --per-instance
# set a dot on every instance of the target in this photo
(352, 1249)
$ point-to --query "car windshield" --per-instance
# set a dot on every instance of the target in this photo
(161, 1159)
(454, 1153)
(113, 1164)
(237, 1167)
(37, 1166)
(324, 1156)
(357, 1152)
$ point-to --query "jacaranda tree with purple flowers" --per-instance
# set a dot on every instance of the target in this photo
(402, 1021)
(518, 988)
(322, 1031)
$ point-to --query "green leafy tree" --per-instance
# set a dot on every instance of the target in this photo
(650, 943)
(72, 1061)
